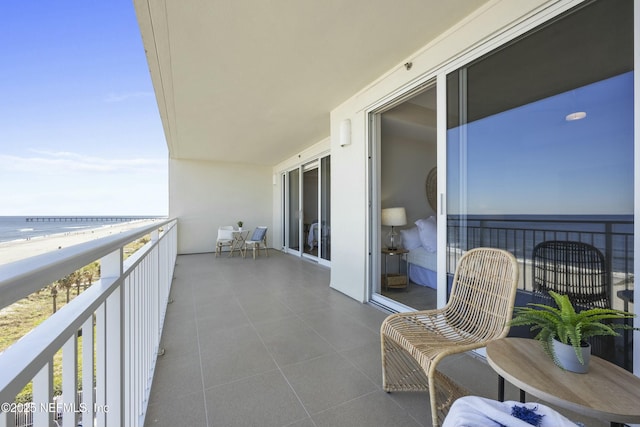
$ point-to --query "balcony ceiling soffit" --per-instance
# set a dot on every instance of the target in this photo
(255, 81)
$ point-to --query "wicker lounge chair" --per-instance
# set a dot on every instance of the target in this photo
(478, 311)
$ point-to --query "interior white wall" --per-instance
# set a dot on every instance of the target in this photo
(204, 195)
(350, 198)
(406, 163)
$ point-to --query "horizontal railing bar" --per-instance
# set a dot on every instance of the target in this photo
(21, 278)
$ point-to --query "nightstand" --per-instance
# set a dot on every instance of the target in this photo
(394, 280)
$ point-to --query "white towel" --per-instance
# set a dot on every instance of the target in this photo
(474, 411)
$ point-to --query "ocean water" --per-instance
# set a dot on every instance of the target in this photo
(14, 228)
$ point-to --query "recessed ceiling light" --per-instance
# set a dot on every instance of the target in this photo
(579, 115)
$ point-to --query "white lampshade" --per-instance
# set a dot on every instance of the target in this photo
(394, 216)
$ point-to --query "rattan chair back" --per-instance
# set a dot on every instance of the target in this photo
(575, 269)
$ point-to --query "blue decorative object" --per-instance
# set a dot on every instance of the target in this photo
(527, 415)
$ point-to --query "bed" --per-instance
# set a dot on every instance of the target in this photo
(421, 242)
(422, 267)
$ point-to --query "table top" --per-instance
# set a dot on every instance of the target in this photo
(607, 392)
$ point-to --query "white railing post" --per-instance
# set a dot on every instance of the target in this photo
(70, 382)
(111, 269)
(43, 396)
(128, 344)
(7, 419)
(88, 400)
(101, 365)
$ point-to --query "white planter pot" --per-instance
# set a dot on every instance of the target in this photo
(568, 360)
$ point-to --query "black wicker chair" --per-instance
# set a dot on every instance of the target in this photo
(578, 270)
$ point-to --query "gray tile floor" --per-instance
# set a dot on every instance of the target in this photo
(266, 342)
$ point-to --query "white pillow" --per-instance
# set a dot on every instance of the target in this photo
(428, 232)
(410, 238)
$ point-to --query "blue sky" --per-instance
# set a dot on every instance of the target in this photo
(531, 160)
(80, 132)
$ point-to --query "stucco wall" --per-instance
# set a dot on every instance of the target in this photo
(205, 195)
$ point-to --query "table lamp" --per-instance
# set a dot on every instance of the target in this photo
(393, 217)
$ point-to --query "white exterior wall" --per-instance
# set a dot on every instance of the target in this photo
(205, 195)
(350, 228)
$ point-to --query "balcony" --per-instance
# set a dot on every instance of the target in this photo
(268, 343)
(244, 342)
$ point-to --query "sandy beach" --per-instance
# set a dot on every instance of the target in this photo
(17, 250)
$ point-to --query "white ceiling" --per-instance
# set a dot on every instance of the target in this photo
(254, 81)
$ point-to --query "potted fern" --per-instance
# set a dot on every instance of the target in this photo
(561, 328)
(240, 225)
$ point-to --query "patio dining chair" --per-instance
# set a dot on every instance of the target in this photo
(225, 238)
(578, 270)
(258, 238)
(479, 309)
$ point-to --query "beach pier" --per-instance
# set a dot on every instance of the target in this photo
(82, 218)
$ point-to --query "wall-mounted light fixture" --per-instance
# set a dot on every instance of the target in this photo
(345, 132)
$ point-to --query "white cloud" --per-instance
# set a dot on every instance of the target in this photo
(51, 183)
(124, 96)
(46, 162)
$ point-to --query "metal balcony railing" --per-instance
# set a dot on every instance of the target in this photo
(613, 236)
(119, 320)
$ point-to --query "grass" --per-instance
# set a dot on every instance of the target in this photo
(23, 316)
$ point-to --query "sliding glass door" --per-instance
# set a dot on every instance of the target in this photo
(292, 238)
(323, 231)
(404, 148)
(310, 203)
(307, 218)
(540, 146)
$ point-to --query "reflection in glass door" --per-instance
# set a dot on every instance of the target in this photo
(551, 156)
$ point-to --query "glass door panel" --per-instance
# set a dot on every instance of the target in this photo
(310, 210)
(307, 219)
(293, 235)
(540, 146)
(325, 208)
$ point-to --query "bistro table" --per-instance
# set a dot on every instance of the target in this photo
(239, 237)
(607, 392)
